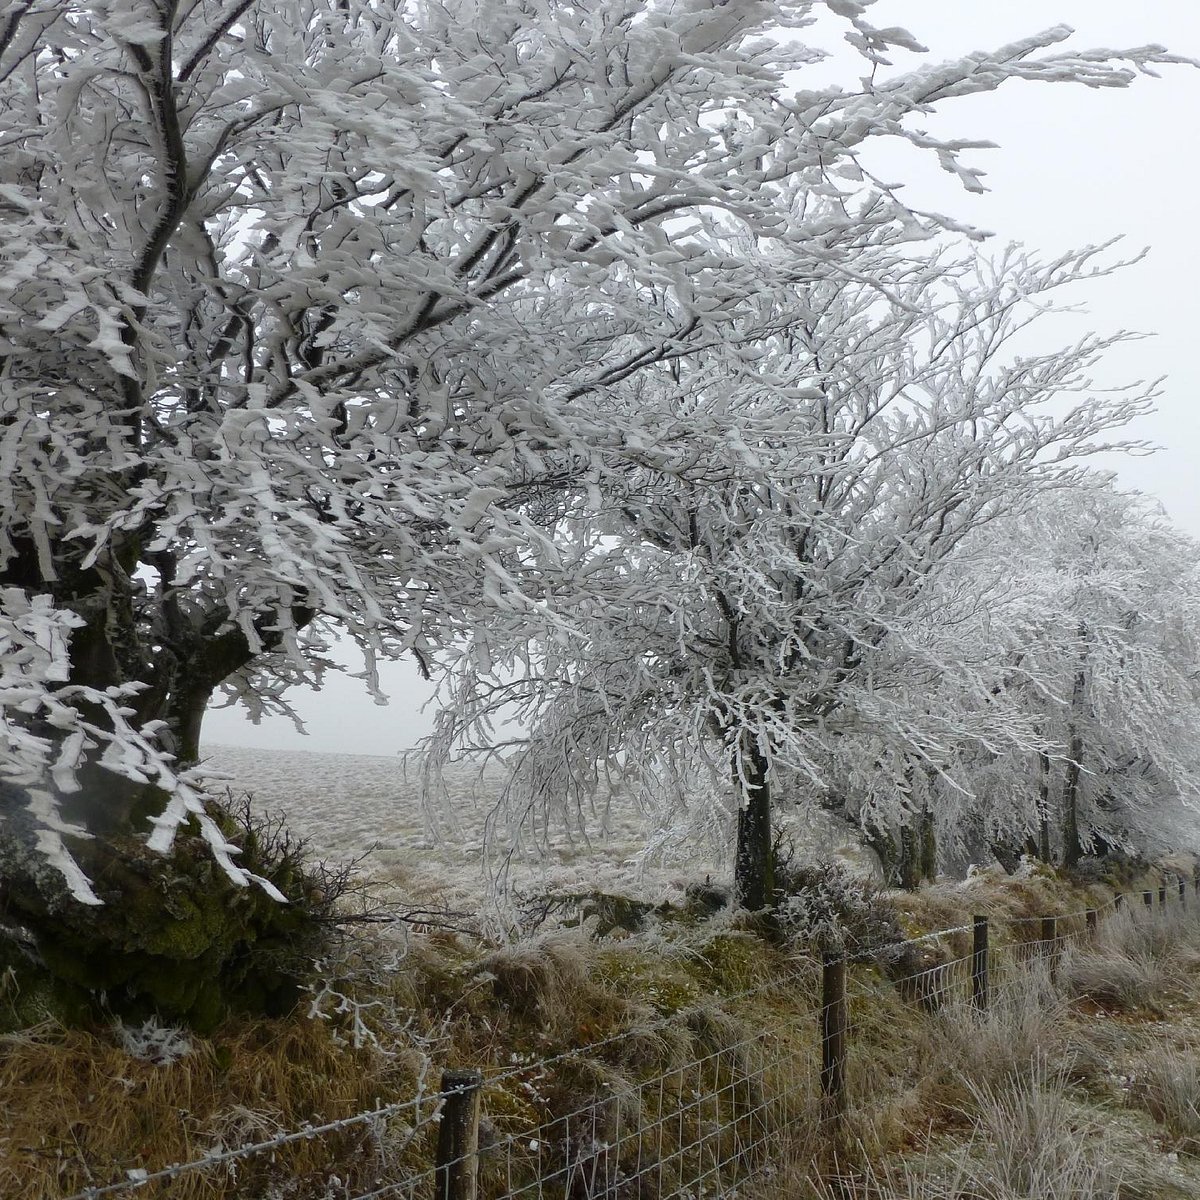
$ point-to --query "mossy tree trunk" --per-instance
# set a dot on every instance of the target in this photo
(173, 934)
(1044, 850)
(910, 859)
(927, 830)
(884, 844)
(1072, 844)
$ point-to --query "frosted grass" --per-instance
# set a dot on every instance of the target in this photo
(348, 805)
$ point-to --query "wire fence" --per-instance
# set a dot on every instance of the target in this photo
(687, 1105)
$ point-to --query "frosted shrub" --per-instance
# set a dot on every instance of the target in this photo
(827, 906)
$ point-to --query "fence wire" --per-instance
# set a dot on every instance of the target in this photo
(698, 1128)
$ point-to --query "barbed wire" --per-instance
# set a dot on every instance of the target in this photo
(305, 1133)
(946, 977)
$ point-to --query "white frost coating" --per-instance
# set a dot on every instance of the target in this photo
(44, 808)
(50, 844)
(845, 593)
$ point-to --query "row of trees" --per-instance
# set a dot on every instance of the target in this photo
(902, 596)
(428, 323)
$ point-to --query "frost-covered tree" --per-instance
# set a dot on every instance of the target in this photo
(305, 307)
(1095, 638)
(775, 607)
(1067, 628)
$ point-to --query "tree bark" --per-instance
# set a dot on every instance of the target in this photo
(173, 936)
(754, 862)
(1072, 846)
(1044, 851)
(881, 841)
(910, 858)
(928, 845)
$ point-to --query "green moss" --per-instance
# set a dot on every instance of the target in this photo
(734, 962)
(174, 937)
(648, 981)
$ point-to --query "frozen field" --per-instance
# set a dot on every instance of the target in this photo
(348, 805)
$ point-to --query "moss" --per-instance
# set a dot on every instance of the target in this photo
(30, 997)
(735, 962)
(174, 937)
(648, 981)
(609, 912)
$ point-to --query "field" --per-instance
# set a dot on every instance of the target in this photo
(348, 805)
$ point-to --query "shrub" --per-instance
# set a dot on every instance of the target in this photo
(829, 907)
(175, 939)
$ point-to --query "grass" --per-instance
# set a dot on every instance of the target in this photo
(1167, 1085)
(1029, 1141)
(638, 1064)
(78, 1110)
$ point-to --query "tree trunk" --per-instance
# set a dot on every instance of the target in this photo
(173, 936)
(1072, 846)
(928, 846)
(754, 862)
(881, 841)
(910, 858)
(1044, 851)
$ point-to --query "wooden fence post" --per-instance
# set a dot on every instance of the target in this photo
(457, 1168)
(833, 1035)
(1183, 893)
(1118, 902)
(1050, 942)
(1091, 916)
(979, 964)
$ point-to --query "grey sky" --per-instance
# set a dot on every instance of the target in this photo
(1074, 166)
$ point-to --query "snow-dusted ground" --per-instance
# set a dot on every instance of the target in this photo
(347, 805)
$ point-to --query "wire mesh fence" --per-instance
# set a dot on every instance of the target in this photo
(686, 1105)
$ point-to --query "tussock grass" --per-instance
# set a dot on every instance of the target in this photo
(1029, 1139)
(1126, 967)
(693, 1047)
(77, 1110)
(1167, 1086)
(1021, 1030)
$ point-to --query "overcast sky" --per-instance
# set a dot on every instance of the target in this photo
(1074, 166)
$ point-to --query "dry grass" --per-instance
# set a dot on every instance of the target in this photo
(1032, 1099)
(77, 1110)
(675, 1074)
(701, 1058)
(1021, 1030)
(1128, 966)
(1029, 1140)
(1167, 1086)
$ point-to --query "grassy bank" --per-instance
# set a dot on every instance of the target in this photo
(681, 1057)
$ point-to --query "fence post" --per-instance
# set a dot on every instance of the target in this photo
(1050, 942)
(457, 1172)
(1183, 893)
(1091, 917)
(833, 1035)
(979, 964)
(1118, 902)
